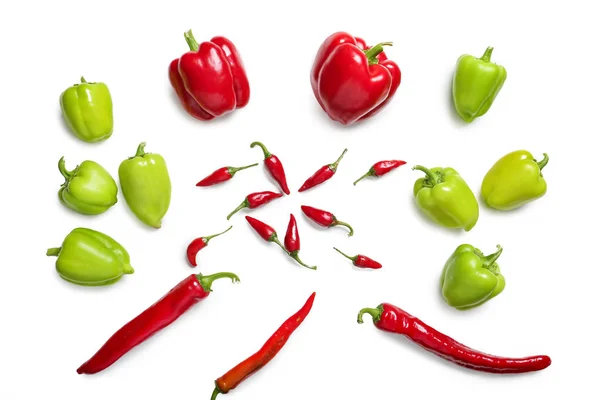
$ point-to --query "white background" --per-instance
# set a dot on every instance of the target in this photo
(548, 104)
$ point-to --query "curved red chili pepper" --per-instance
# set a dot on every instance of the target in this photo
(161, 314)
(323, 174)
(381, 168)
(274, 166)
(292, 241)
(222, 174)
(198, 244)
(390, 318)
(361, 260)
(254, 200)
(325, 218)
(232, 378)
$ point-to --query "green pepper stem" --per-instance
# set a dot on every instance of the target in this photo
(275, 239)
(207, 281)
(430, 175)
(243, 204)
(344, 254)
(128, 269)
(53, 251)
(487, 55)
(83, 80)
(295, 256)
(544, 161)
(266, 152)
(207, 238)
(191, 40)
(233, 170)
(215, 393)
(374, 51)
(373, 312)
(492, 258)
(371, 172)
(140, 150)
(337, 222)
(63, 170)
(337, 162)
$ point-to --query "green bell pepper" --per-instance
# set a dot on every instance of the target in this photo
(445, 198)
(146, 186)
(470, 279)
(514, 180)
(90, 258)
(88, 189)
(88, 110)
(475, 84)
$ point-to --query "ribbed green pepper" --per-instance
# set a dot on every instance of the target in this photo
(90, 258)
(88, 189)
(88, 110)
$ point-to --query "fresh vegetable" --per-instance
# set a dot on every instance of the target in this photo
(146, 186)
(88, 188)
(210, 79)
(323, 174)
(222, 174)
(232, 378)
(255, 200)
(361, 261)
(475, 84)
(87, 109)
(198, 244)
(445, 198)
(381, 168)
(325, 218)
(514, 180)
(292, 240)
(274, 166)
(90, 258)
(470, 278)
(156, 317)
(352, 81)
(390, 318)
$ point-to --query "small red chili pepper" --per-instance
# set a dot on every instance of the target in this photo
(361, 260)
(292, 240)
(232, 378)
(198, 244)
(324, 218)
(222, 175)
(381, 168)
(254, 200)
(156, 317)
(270, 235)
(390, 318)
(274, 166)
(323, 174)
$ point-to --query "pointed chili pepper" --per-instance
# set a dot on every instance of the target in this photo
(198, 244)
(381, 168)
(270, 235)
(323, 174)
(254, 200)
(361, 260)
(292, 240)
(274, 166)
(222, 174)
(324, 218)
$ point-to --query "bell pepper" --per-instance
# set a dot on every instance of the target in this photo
(470, 278)
(475, 85)
(90, 258)
(146, 186)
(445, 198)
(352, 81)
(87, 109)
(88, 188)
(210, 79)
(514, 180)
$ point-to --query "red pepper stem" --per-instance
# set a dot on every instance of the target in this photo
(233, 170)
(345, 255)
(266, 152)
(242, 205)
(207, 238)
(191, 40)
(206, 281)
(275, 239)
(487, 55)
(215, 393)
(431, 177)
(337, 162)
(63, 170)
(140, 150)
(53, 251)
(373, 312)
(374, 51)
(543, 162)
(489, 260)
(371, 172)
(295, 256)
(337, 222)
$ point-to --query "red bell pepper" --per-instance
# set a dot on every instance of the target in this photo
(210, 79)
(352, 81)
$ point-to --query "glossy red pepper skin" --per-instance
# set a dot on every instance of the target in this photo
(390, 318)
(292, 237)
(255, 200)
(351, 83)
(324, 218)
(381, 168)
(323, 174)
(198, 244)
(161, 314)
(274, 166)
(222, 175)
(361, 260)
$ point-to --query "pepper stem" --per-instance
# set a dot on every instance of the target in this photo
(295, 256)
(63, 170)
(373, 312)
(492, 258)
(207, 238)
(233, 170)
(83, 80)
(275, 239)
(191, 40)
(430, 175)
(487, 55)
(544, 161)
(266, 152)
(140, 150)
(242, 205)
(344, 254)
(207, 281)
(337, 222)
(215, 393)
(53, 251)
(374, 51)
(337, 162)
(369, 173)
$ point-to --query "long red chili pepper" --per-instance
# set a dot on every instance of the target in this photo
(390, 318)
(198, 244)
(232, 378)
(254, 200)
(274, 166)
(270, 235)
(222, 174)
(361, 260)
(324, 218)
(381, 168)
(292, 240)
(161, 314)
(323, 174)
